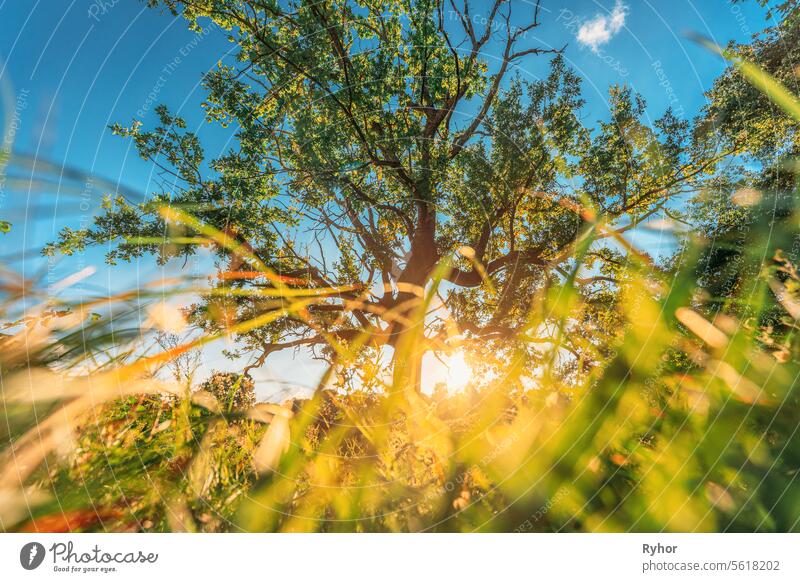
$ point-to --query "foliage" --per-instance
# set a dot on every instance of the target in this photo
(368, 148)
(744, 113)
(234, 391)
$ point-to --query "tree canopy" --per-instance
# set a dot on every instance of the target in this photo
(375, 139)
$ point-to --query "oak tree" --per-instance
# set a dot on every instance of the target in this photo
(375, 139)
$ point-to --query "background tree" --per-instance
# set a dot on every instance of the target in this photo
(755, 194)
(376, 138)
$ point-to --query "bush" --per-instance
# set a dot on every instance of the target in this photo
(233, 391)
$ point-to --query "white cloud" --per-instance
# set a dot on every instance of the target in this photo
(600, 29)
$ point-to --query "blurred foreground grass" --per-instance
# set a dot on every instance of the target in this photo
(691, 423)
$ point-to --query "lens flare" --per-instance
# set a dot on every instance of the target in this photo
(459, 373)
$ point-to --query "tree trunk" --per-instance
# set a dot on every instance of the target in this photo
(409, 338)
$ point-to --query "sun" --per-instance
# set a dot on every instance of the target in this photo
(458, 373)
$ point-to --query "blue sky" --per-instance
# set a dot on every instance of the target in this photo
(69, 69)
